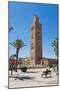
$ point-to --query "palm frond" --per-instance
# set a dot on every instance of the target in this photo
(12, 44)
(10, 29)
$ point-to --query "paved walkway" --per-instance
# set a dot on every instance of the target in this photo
(31, 78)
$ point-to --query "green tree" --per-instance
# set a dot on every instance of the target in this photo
(55, 46)
(18, 44)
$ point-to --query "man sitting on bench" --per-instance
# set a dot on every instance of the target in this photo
(47, 72)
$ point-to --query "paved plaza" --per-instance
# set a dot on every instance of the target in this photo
(31, 78)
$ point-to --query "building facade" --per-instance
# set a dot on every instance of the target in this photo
(49, 61)
(36, 42)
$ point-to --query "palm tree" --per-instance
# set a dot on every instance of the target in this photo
(55, 46)
(18, 44)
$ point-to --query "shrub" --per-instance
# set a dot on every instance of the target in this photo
(11, 67)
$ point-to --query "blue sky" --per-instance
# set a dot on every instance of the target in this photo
(21, 17)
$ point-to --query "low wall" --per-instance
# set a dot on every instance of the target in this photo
(32, 66)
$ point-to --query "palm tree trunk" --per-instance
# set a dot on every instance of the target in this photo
(16, 58)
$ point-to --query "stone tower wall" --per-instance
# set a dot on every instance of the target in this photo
(36, 41)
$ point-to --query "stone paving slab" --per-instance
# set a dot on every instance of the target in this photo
(31, 78)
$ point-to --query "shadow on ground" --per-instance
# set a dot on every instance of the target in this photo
(22, 77)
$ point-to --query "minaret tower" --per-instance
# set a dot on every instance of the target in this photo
(36, 42)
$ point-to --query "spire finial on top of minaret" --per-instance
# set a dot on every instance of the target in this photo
(36, 19)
